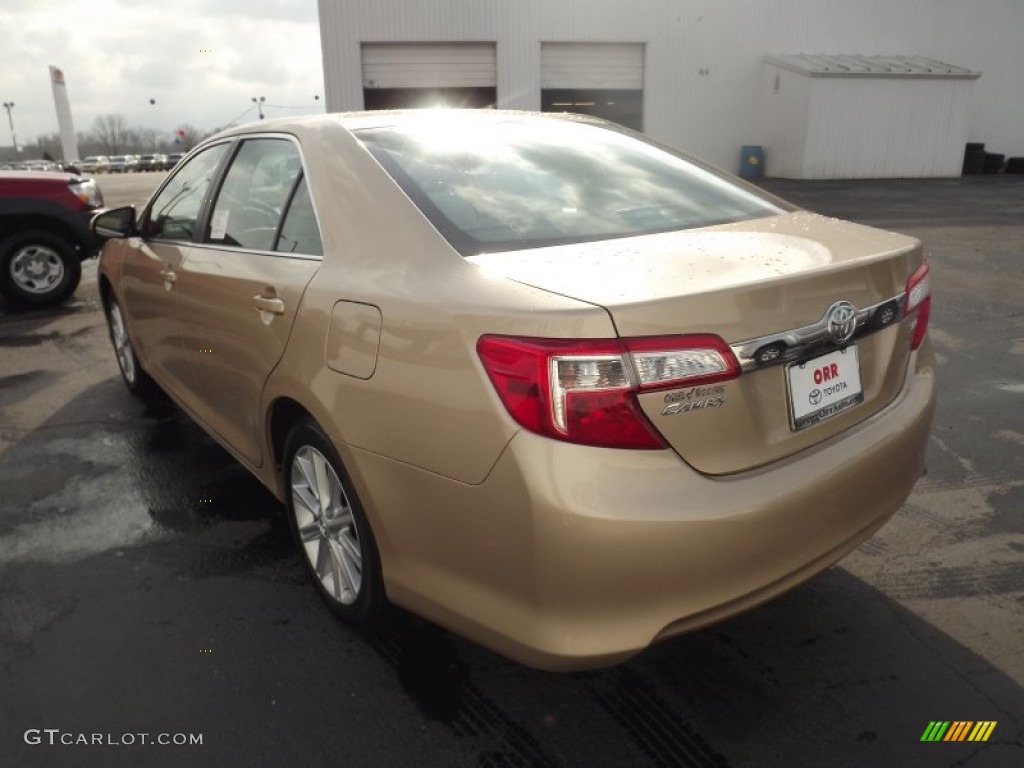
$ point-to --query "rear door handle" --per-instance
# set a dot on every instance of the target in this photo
(169, 277)
(272, 305)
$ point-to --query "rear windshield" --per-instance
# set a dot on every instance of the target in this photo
(507, 185)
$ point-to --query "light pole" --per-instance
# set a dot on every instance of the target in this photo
(9, 105)
(259, 104)
(152, 103)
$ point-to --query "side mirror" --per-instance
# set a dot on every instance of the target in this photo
(117, 222)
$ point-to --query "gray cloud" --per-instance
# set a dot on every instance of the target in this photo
(201, 61)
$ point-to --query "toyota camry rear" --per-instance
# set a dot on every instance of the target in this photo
(749, 402)
(537, 378)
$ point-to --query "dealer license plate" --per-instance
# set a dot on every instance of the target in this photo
(822, 387)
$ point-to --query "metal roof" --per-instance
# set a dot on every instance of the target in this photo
(827, 65)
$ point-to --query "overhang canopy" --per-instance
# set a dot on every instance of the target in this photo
(828, 65)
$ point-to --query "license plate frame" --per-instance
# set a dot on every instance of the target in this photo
(823, 387)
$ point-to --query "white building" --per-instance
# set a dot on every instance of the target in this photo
(708, 76)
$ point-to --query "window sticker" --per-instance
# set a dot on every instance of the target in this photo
(219, 225)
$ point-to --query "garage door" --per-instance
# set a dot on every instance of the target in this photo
(400, 75)
(600, 79)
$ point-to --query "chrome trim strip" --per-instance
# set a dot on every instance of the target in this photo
(237, 137)
(239, 249)
(796, 344)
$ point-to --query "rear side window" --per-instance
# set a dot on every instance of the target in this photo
(506, 185)
(299, 232)
(176, 210)
(255, 192)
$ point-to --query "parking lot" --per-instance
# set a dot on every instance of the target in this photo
(149, 585)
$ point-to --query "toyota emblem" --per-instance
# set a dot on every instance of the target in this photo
(842, 321)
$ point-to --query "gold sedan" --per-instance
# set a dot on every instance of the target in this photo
(536, 378)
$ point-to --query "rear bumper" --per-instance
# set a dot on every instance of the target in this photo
(572, 557)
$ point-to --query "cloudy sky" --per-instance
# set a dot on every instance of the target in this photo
(118, 54)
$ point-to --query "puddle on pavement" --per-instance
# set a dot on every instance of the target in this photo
(22, 618)
(12, 314)
(20, 386)
(271, 549)
(87, 531)
(36, 339)
(427, 661)
(95, 490)
(17, 379)
(1007, 502)
(431, 672)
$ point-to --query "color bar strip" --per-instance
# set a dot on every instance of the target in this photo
(985, 728)
(935, 730)
(958, 730)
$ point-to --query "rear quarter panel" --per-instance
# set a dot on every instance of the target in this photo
(428, 402)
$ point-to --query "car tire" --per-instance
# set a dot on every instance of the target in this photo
(974, 162)
(138, 382)
(331, 531)
(38, 268)
(994, 162)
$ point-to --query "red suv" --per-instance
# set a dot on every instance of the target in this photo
(45, 235)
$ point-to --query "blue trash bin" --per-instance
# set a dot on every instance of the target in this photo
(752, 162)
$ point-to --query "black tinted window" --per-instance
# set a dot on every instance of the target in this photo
(519, 184)
(175, 211)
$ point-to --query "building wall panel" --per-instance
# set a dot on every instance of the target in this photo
(883, 128)
(703, 65)
(785, 102)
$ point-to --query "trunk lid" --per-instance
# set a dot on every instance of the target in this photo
(760, 284)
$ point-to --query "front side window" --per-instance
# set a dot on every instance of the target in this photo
(175, 211)
(512, 184)
(254, 194)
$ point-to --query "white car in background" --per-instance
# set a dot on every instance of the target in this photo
(95, 164)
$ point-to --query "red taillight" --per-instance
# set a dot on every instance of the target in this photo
(919, 301)
(584, 390)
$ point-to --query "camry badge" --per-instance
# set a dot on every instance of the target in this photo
(842, 321)
(694, 399)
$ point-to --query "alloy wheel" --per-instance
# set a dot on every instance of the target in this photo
(326, 525)
(122, 344)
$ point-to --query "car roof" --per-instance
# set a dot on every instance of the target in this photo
(353, 121)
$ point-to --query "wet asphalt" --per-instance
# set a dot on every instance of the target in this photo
(149, 585)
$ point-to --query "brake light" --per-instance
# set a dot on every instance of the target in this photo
(584, 390)
(919, 301)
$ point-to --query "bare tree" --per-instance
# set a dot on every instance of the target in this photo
(132, 139)
(147, 139)
(47, 147)
(111, 135)
(111, 132)
(88, 144)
